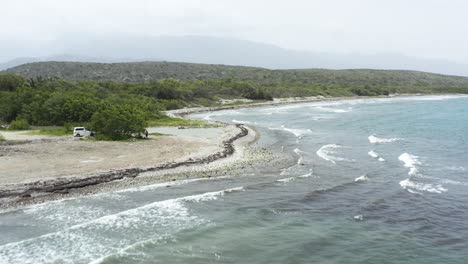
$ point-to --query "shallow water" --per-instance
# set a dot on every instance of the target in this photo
(373, 181)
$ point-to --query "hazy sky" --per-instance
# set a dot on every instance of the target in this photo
(420, 28)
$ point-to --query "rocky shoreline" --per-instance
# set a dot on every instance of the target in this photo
(27, 192)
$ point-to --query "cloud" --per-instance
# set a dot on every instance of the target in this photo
(424, 28)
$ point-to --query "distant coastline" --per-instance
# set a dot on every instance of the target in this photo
(182, 113)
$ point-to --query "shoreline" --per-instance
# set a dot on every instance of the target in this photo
(181, 113)
(18, 194)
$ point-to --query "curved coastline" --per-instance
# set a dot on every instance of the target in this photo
(13, 195)
(182, 113)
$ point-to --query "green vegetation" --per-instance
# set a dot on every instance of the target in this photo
(2, 138)
(117, 122)
(19, 124)
(180, 122)
(119, 110)
(8, 82)
(50, 131)
(146, 71)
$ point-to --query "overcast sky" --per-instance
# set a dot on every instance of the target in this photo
(419, 28)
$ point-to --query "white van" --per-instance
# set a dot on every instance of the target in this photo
(81, 132)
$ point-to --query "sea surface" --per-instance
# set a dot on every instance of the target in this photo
(370, 181)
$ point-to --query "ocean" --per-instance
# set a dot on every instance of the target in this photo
(381, 180)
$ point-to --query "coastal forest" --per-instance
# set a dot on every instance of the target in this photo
(122, 106)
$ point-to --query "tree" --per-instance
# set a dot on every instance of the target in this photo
(9, 82)
(117, 122)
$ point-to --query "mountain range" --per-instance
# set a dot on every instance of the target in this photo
(211, 50)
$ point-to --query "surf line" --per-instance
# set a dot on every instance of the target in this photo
(62, 185)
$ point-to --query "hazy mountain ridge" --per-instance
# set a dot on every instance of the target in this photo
(212, 50)
(147, 71)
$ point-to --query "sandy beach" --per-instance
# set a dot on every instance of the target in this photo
(35, 167)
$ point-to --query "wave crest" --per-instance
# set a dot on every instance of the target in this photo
(374, 140)
(416, 187)
(326, 152)
(361, 178)
(410, 162)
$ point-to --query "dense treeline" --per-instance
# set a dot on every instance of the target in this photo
(55, 101)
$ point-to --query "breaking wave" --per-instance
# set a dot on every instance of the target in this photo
(105, 235)
(326, 109)
(411, 162)
(299, 133)
(374, 140)
(416, 187)
(361, 178)
(326, 152)
(300, 153)
(241, 121)
(376, 155)
(286, 179)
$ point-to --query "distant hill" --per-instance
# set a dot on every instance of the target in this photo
(147, 71)
(228, 51)
(62, 57)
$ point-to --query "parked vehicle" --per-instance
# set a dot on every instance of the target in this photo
(82, 132)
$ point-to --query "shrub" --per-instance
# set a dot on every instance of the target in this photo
(118, 122)
(2, 138)
(19, 124)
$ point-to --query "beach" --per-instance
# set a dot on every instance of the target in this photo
(38, 168)
(41, 168)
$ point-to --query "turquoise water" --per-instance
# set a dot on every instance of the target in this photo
(370, 181)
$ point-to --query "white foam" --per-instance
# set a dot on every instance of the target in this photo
(376, 155)
(159, 185)
(326, 109)
(297, 132)
(433, 97)
(307, 174)
(300, 154)
(358, 217)
(210, 195)
(107, 235)
(374, 140)
(361, 178)
(241, 121)
(410, 162)
(416, 187)
(286, 179)
(67, 215)
(221, 113)
(326, 152)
